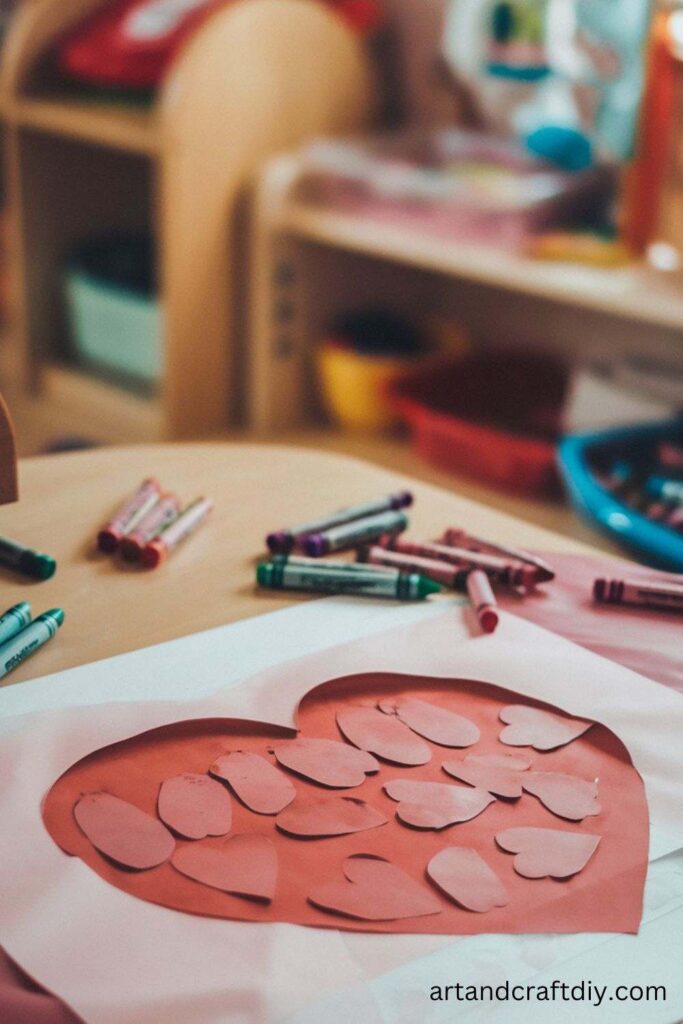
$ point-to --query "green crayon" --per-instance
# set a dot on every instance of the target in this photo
(340, 580)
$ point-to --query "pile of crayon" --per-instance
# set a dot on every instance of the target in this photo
(388, 565)
(150, 524)
(21, 635)
(650, 483)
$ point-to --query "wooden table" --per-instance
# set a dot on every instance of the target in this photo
(112, 608)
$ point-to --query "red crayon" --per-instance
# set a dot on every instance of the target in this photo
(187, 522)
(440, 572)
(157, 519)
(129, 515)
(483, 600)
(459, 538)
(662, 596)
(500, 570)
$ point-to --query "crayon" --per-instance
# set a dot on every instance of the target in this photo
(500, 570)
(670, 455)
(299, 562)
(400, 586)
(283, 541)
(662, 596)
(129, 515)
(26, 561)
(660, 488)
(14, 620)
(154, 553)
(441, 572)
(25, 643)
(353, 534)
(483, 600)
(161, 515)
(459, 538)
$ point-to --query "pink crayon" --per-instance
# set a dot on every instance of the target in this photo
(459, 538)
(188, 521)
(440, 572)
(157, 519)
(483, 600)
(500, 570)
(662, 596)
(129, 515)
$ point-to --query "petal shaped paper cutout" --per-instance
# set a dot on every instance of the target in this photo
(435, 804)
(548, 852)
(329, 816)
(466, 877)
(375, 890)
(245, 865)
(383, 735)
(433, 722)
(261, 786)
(194, 806)
(123, 832)
(327, 762)
(505, 782)
(565, 795)
(543, 730)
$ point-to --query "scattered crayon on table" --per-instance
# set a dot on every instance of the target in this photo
(657, 595)
(25, 560)
(283, 541)
(483, 600)
(128, 516)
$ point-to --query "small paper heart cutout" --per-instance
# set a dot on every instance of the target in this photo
(383, 735)
(260, 786)
(543, 730)
(329, 816)
(326, 762)
(245, 865)
(547, 852)
(466, 877)
(375, 890)
(435, 805)
(123, 832)
(565, 795)
(432, 722)
(504, 782)
(194, 806)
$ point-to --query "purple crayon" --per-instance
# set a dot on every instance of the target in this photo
(284, 541)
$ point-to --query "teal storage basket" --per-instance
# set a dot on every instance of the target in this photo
(113, 309)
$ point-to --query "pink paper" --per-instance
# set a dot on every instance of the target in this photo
(122, 832)
(255, 781)
(194, 806)
(330, 816)
(466, 877)
(435, 804)
(534, 727)
(327, 762)
(369, 729)
(434, 723)
(546, 852)
(565, 795)
(245, 865)
(375, 890)
(493, 777)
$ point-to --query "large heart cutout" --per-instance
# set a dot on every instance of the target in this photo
(564, 795)
(243, 865)
(128, 776)
(547, 852)
(433, 722)
(533, 727)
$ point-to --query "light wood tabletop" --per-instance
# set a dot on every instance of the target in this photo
(112, 607)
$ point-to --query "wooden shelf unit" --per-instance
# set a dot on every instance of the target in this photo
(258, 77)
(336, 261)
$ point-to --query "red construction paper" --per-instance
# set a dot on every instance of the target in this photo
(531, 727)
(547, 852)
(466, 877)
(435, 804)
(375, 891)
(122, 831)
(194, 806)
(368, 729)
(606, 896)
(329, 816)
(327, 762)
(432, 722)
(494, 778)
(255, 781)
(565, 795)
(243, 865)
(513, 762)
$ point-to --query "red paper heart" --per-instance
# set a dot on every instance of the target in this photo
(564, 795)
(432, 722)
(547, 852)
(255, 781)
(375, 891)
(329, 816)
(123, 832)
(327, 762)
(501, 781)
(466, 877)
(369, 729)
(243, 866)
(543, 730)
(435, 804)
(194, 806)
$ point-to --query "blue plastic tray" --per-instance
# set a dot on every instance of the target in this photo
(651, 542)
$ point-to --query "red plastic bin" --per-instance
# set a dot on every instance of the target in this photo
(495, 416)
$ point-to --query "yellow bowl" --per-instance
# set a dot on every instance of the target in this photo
(353, 386)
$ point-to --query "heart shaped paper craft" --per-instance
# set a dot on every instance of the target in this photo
(435, 804)
(330, 816)
(543, 730)
(243, 866)
(123, 832)
(547, 852)
(383, 735)
(256, 782)
(439, 725)
(565, 795)
(466, 877)
(194, 806)
(375, 891)
(505, 782)
(327, 762)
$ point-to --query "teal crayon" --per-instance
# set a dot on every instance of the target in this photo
(368, 583)
(29, 640)
(25, 560)
(14, 620)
